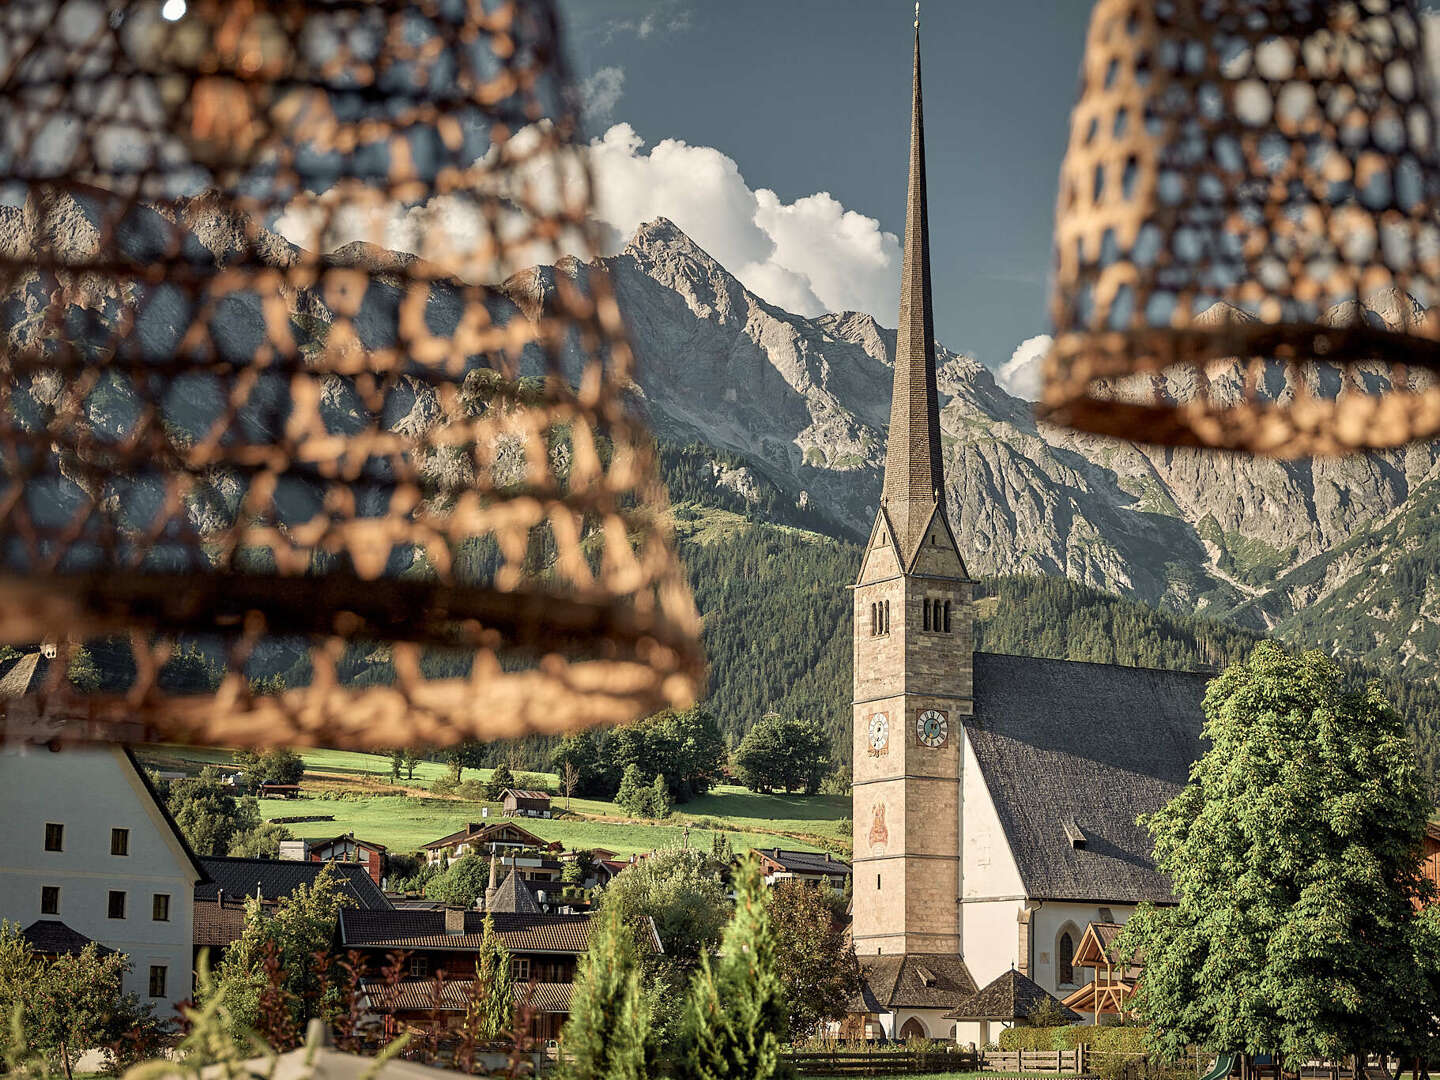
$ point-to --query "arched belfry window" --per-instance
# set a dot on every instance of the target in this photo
(926, 618)
(885, 625)
(947, 616)
(1065, 959)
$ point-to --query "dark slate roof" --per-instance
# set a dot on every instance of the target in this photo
(514, 896)
(281, 877)
(913, 981)
(52, 937)
(1011, 997)
(806, 862)
(410, 929)
(423, 995)
(1062, 743)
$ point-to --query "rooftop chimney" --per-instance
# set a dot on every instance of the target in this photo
(454, 921)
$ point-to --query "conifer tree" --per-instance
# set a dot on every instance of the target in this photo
(660, 805)
(607, 1036)
(735, 1015)
(491, 1014)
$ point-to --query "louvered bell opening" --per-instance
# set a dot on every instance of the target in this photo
(1247, 251)
(295, 444)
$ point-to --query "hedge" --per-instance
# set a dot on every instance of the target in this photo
(1111, 1046)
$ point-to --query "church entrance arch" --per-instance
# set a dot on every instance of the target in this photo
(913, 1028)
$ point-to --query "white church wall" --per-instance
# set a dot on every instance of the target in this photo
(1048, 922)
(993, 894)
(932, 1021)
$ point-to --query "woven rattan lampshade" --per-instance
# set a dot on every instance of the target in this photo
(315, 490)
(1246, 239)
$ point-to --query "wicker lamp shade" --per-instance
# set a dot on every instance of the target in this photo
(1247, 244)
(372, 485)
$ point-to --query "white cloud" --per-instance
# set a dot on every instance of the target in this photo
(808, 256)
(666, 17)
(1021, 375)
(600, 93)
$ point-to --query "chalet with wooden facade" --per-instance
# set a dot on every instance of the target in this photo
(485, 838)
(440, 949)
(815, 867)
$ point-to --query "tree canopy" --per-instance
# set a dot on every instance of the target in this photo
(818, 967)
(686, 748)
(1294, 852)
(783, 753)
(682, 892)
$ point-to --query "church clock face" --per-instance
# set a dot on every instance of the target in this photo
(932, 728)
(879, 733)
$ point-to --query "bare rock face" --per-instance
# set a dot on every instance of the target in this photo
(806, 402)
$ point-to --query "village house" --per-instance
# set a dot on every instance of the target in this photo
(441, 948)
(815, 867)
(536, 858)
(89, 853)
(516, 802)
(344, 848)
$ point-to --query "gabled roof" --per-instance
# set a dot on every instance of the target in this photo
(349, 837)
(524, 793)
(51, 937)
(410, 929)
(476, 832)
(1011, 997)
(805, 862)
(274, 878)
(913, 981)
(1096, 945)
(1062, 743)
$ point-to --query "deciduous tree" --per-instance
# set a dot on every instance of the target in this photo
(782, 753)
(1294, 855)
(817, 965)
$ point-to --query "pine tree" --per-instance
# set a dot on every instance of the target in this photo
(735, 1014)
(634, 794)
(607, 1034)
(500, 779)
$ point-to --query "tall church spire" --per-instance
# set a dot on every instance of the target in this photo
(914, 474)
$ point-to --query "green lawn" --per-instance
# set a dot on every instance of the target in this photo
(405, 823)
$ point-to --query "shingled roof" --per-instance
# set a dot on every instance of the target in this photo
(51, 937)
(275, 878)
(218, 920)
(913, 981)
(1064, 745)
(402, 929)
(514, 896)
(1011, 997)
(423, 995)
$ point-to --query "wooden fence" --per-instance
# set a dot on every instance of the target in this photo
(883, 1062)
(1022, 1061)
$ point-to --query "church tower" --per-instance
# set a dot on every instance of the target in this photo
(913, 645)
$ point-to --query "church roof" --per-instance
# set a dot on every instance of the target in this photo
(1072, 753)
(914, 470)
(1011, 997)
(912, 981)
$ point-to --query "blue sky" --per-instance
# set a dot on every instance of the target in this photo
(810, 96)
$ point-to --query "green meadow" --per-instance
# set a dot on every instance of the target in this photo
(355, 791)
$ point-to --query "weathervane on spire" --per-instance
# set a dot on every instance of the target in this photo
(917, 14)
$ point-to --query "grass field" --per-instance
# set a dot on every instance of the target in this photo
(355, 790)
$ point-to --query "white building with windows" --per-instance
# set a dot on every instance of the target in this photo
(88, 851)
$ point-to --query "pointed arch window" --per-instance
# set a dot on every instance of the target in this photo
(1065, 959)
